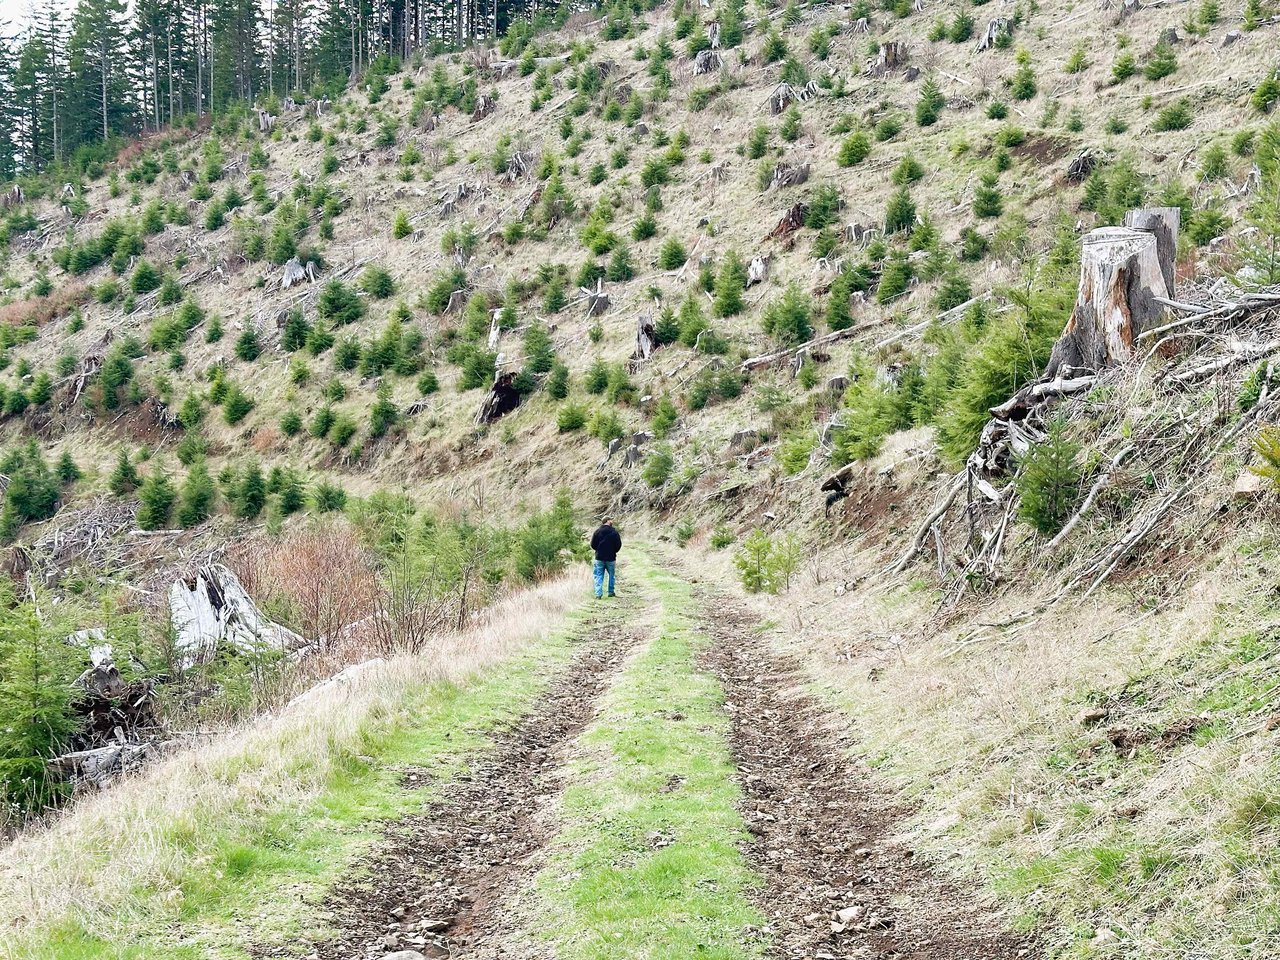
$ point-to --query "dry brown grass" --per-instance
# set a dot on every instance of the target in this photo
(118, 855)
(40, 310)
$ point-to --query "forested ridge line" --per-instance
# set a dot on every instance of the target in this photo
(76, 84)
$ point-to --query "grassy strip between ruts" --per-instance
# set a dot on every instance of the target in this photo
(258, 876)
(648, 864)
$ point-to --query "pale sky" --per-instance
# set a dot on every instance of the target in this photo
(16, 12)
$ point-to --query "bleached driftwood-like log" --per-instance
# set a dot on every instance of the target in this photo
(784, 94)
(264, 121)
(294, 273)
(713, 35)
(13, 197)
(801, 351)
(1121, 277)
(861, 25)
(758, 270)
(212, 608)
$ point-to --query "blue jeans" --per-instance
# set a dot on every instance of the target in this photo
(601, 568)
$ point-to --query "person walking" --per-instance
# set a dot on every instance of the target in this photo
(606, 542)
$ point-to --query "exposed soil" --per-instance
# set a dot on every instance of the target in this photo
(837, 885)
(436, 883)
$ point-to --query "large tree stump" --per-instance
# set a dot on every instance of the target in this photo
(1163, 223)
(1121, 275)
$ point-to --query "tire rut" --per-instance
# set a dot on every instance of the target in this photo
(837, 885)
(438, 881)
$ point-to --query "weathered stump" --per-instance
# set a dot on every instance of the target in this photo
(502, 398)
(646, 340)
(1121, 275)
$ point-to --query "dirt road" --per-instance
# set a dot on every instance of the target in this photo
(829, 879)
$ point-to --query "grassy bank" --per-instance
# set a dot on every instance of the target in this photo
(1150, 831)
(647, 864)
(237, 840)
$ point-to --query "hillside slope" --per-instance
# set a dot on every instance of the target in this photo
(594, 270)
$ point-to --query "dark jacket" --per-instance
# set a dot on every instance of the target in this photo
(606, 542)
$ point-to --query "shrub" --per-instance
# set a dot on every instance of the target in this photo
(236, 406)
(145, 278)
(1176, 116)
(157, 496)
(1077, 62)
(730, 284)
(1162, 62)
(1049, 481)
(790, 129)
(542, 544)
(766, 566)
(824, 207)
(572, 416)
(853, 149)
(248, 493)
(124, 477)
(1267, 93)
(900, 214)
(673, 255)
(376, 282)
(36, 707)
(247, 346)
(987, 201)
(895, 277)
(1022, 86)
(929, 106)
(659, 466)
(198, 494)
(1124, 67)
(789, 318)
(339, 304)
(327, 497)
(400, 227)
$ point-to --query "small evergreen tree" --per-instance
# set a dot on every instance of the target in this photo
(157, 496)
(987, 201)
(36, 694)
(124, 477)
(67, 471)
(930, 104)
(789, 318)
(247, 346)
(195, 503)
(1049, 480)
(900, 214)
(730, 284)
(249, 494)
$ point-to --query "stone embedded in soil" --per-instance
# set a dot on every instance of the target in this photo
(404, 955)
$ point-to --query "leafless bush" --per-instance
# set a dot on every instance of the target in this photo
(321, 581)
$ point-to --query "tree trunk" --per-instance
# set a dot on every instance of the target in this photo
(1121, 274)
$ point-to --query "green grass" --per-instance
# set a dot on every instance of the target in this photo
(648, 865)
(263, 882)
